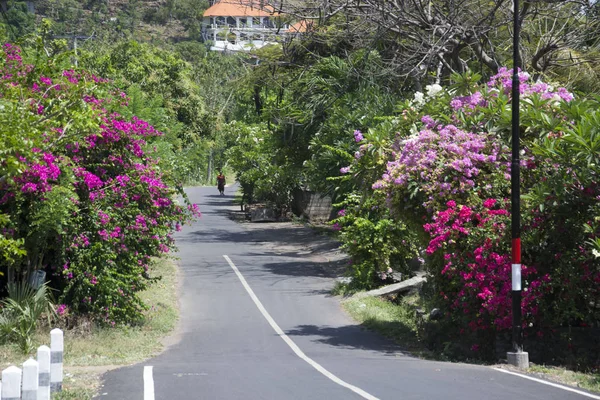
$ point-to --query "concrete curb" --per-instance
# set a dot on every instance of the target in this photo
(394, 288)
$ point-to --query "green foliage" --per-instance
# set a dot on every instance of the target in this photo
(17, 21)
(260, 167)
(164, 89)
(311, 110)
(46, 220)
(21, 311)
(219, 75)
(579, 144)
(154, 69)
(188, 12)
(195, 52)
(380, 248)
(564, 198)
(322, 108)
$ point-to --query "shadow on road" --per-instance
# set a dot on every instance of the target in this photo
(351, 337)
(326, 269)
(216, 200)
(292, 236)
(302, 253)
(222, 202)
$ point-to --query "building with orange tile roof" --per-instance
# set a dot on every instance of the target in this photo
(239, 8)
(241, 25)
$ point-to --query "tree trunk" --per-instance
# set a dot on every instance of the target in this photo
(257, 100)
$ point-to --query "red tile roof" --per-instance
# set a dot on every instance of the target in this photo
(240, 8)
(301, 26)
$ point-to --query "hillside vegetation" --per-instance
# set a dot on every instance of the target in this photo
(158, 21)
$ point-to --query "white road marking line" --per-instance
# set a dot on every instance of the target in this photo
(148, 383)
(591, 396)
(291, 343)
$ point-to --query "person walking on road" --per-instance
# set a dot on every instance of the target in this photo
(221, 183)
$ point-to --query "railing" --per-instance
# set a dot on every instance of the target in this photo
(248, 28)
(38, 378)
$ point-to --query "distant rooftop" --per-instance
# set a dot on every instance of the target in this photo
(240, 8)
(301, 26)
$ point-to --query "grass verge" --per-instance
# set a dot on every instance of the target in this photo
(343, 289)
(397, 322)
(589, 381)
(394, 321)
(90, 351)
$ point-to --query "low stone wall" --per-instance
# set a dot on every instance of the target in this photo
(312, 205)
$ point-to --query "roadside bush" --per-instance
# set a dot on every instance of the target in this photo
(21, 311)
(381, 248)
(81, 190)
(563, 227)
(377, 245)
(448, 176)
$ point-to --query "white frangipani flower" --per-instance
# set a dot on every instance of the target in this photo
(433, 90)
(419, 98)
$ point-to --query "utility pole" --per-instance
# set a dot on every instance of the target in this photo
(517, 356)
(209, 171)
(74, 38)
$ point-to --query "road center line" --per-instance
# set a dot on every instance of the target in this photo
(290, 342)
(531, 378)
(148, 383)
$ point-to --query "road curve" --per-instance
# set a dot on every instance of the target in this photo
(229, 348)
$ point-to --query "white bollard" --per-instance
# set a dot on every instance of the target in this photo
(43, 358)
(56, 360)
(11, 384)
(30, 380)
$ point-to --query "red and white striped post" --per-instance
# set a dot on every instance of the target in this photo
(517, 356)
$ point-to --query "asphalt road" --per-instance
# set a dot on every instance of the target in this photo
(230, 347)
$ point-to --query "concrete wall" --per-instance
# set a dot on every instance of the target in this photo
(313, 206)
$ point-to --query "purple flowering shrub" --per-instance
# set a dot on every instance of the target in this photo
(447, 177)
(442, 162)
(86, 197)
(380, 248)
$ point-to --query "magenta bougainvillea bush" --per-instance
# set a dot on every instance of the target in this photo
(82, 196)
(475, 260)
(448, 175)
